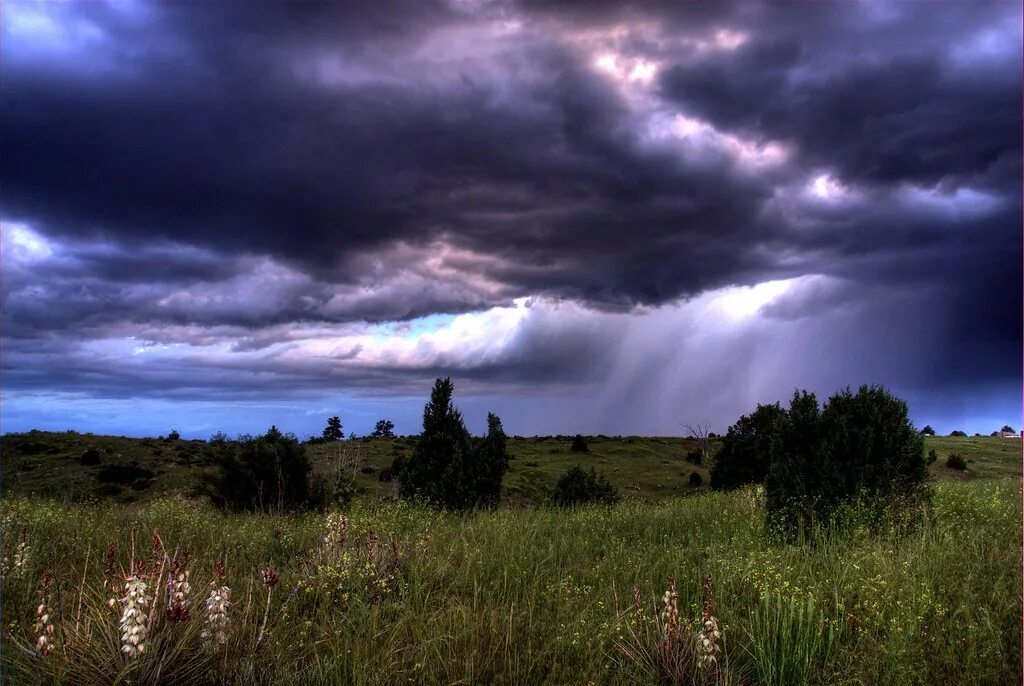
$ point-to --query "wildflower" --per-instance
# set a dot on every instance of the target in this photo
(22, 553)
(133, 616)
(337, 529)
(709, 633)
(178, 591)
(217, 603)
(44, 616)
(269, 577)
(270, 580)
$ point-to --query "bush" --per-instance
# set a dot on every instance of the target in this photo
(695, 457)
(267, 473)
(132, 475)
(391, 473)
(90, 458)
(448, 469)
(956, 461)
(578, 486)
(174, 435)
(748, 447)
(579, 444)
(696, 480)
(957, 433)
(859, 447)
(932, 456)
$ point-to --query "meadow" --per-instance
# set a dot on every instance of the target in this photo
(389, 593)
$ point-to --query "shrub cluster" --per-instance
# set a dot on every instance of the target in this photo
(265, 473)
(956, 461)
(748, 447)
(578, 486)
(579, 444)
(813, 459)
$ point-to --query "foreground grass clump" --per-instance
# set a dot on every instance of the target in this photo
(390, 593)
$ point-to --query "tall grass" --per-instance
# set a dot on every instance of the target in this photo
(526, 596)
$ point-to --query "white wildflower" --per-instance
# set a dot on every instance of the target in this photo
(133, 617)
(217, 604)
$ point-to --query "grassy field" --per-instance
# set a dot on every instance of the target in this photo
(135, 470)
(515, 596)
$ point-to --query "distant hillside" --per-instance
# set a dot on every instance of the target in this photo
(73, 466)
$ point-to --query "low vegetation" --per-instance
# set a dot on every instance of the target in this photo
(386, 560)
(391, 593)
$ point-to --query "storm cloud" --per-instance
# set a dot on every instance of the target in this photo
(221, 202)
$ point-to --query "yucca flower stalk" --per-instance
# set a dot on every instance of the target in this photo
(709, 633)
(336, 529)
(217, 604)
(269, 580)
(134, 621)
(44, 629)
(670, 647)
(178, 590)
(22, 554)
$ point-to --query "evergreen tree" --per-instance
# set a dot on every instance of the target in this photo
(385, 428)
(491, 463)
(332, 432)
(446, 468)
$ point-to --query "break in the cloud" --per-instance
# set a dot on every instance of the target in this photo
(600, 217)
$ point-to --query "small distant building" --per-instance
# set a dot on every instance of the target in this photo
(1008, 434)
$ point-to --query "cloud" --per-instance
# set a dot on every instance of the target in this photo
(250, 200)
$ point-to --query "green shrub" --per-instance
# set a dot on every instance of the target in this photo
(579, 444)
(748, 447)
(957, 434)
(695, 457)
(956, 461)
(448, 469)
(578, 486)
(268, 473)
(132, 475)
(932, 456)
(696, 480)
(859, 447)
(90, 458)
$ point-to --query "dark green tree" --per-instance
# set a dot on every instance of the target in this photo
(385, 428)
(928, 431)
(491, 463)
(748, 447)
(447, 468)
(957, 433)
(333, 432)
(1008, 429)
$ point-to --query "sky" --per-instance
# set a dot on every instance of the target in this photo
(605, 218)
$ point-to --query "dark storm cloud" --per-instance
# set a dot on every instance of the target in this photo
(223, 173)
